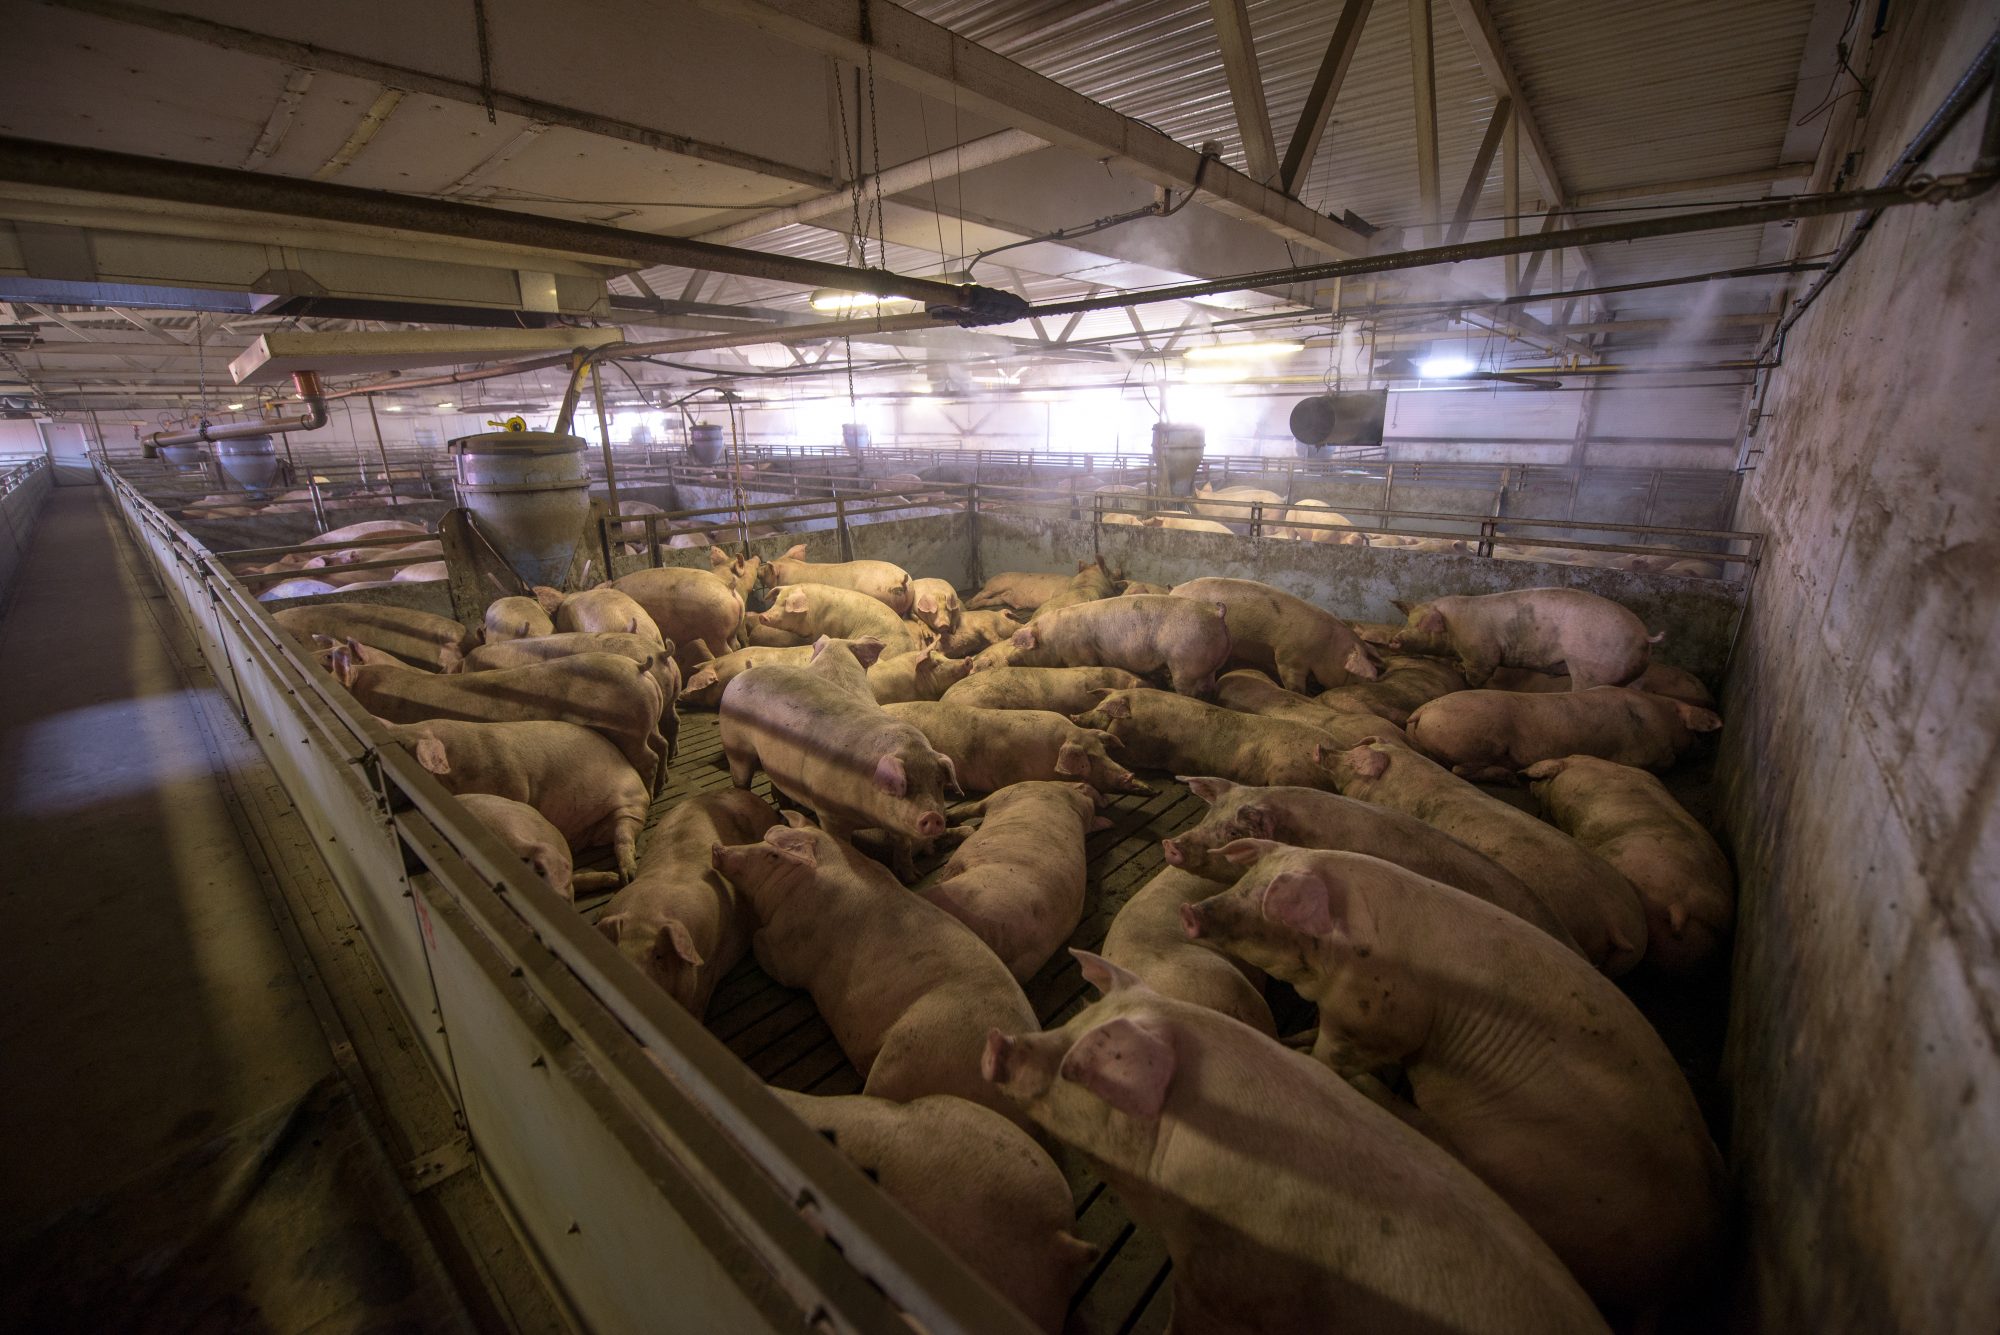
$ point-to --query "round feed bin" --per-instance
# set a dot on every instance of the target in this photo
(1177, 452)
(530, 493)
(251, 461)
(705, 443)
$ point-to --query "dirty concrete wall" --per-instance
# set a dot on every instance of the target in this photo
(1361, 583)
(1861, 758)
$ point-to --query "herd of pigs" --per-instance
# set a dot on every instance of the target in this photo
(1480, 1133)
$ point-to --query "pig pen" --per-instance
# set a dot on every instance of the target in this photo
(637, 1150)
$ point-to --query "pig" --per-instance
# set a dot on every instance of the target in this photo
(1139, 588)
(884, 581)
(1407, 681)
(297, 588)
(759, 636)
(1627, 817)
(687, 605)
(324, 650)
(421, 639)
(1090, 583)
(1492, 734)
(1598, 642)
(607, 609)
(1287, 1201)
(533, 839)
(566, 644)
(578, 781)
(1301, 517)
(1187, 524)
(1545, 1080)
(1311, 818)
(1066, 691)
(1160, 730)
(844, 614)
(1018, 590)
(516, 618)
(1659, 678)
(739, 571)
(421, 573)
(1599, 906)
(1146, 938)
(610, 695)
(1188, 640)
(1272, 630)
(980, 1184)
(1248, 691)
(1235, 504)
(935, 603)
(705, 686)
(678, 920)
(977, 631)
(921, 674)
(909, 990)
(817, 731)
(1018, 881)
(992, 748)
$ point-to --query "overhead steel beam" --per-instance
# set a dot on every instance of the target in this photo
(1763, 176)
(279, 123)
(1510, 195)
(28, 162)
(1320, 98)
(1246, 88)
(1475, 21)
(1423, 85)
(938, 62)
(1482, 167)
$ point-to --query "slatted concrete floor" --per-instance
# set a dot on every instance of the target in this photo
(779, 1035)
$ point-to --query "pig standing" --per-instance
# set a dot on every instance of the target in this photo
(907, 992)
(577, 780)
(1063, 691)
(1492, 734)
(935, 603)
(533, 840)
(817, 731)
(1627, 817)
(1146, 937)
(1090, 583)
(1186, 639)
(641, 650)
(884, 581)
(1659, 678)
(708, 681)
(421, 639)
(921, 674)
(1160, 730)
(1543, 1078)
(1018, 881)
(1595, 640)
(813, 610)
(977, 631)
(516, 618)
(991, 748)
(1407, 681)
(1272, 630)
(1019, 590)
(1287, 1201)
(686, 606)
(980, 1184)
(607, 609)
(679, 921)
(1598, 906)
(1310, 818)
(739, 571)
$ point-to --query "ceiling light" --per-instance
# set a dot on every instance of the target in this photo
(1225, 352)
(1445, 367)
(235, 407)
(833, 299)
(392, 407)
(446, 407)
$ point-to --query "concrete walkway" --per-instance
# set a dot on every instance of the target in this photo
(166, 1078)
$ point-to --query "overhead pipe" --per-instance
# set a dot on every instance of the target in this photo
(66, 167)
(305, 383)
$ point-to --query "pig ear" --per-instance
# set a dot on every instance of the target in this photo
(927, 604)
(717, 556)
(891, 777)
(796, 601)
(1126, 1062)
(1072, 759)
(1361, 665)
(1302, 901)
(865, 650)
(796, 552)
(705, 675)
(677, 939)
(1243, 852)
(1433, 622)
(1258, 817)
(549, 598)
(1206, 787)
(819, 646)
(1024, 638)
(1112, 704)
(1102, 974)
(610, 924)
(797, 820)
(431, 755)
(794, 843)
(1696, 718)
(951, 784)
(1369, 759)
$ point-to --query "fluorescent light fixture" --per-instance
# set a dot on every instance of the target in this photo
(1231, 352)
(833, 299)
(1445, 367)
(392, 407)
(235, 407)
(446, 407)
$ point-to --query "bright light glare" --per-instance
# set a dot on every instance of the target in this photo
(392, 407)
(235, 407)
(1443, 368)
(446, 407)
(826, 299)
(1229, 352)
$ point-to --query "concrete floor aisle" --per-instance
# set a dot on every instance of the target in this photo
(176, 1151)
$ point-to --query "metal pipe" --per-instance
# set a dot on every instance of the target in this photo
(312, 419)
(66, 167)
(604, 438)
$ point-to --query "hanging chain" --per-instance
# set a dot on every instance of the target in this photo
(201, 365)
(875, 142)
(856, 242)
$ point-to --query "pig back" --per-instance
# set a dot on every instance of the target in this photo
(687, 605)
(1146, 937)
(421, 639)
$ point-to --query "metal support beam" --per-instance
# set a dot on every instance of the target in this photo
(1423, 85)
(938, 62)
(1320, 98)
(1475, 21)
(1482, 167)
(1764, 176)
(1510, 196)
(1246, 88)
(373, 119)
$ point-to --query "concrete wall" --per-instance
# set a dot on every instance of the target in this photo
(1861, 759)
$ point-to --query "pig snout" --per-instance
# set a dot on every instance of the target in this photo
(1172, 849)
(1191, 921)
(930, 824)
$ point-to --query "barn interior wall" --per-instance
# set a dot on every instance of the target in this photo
(1862, 757)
